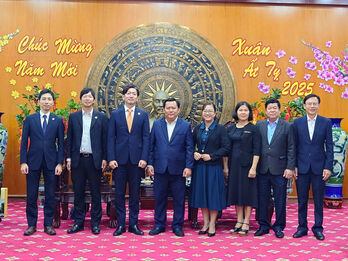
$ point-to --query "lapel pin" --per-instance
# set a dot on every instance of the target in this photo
(138, 113)
(53, 119)
(96, 117)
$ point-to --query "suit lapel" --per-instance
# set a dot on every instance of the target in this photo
(51, 121)
(264, 130)
(316, 127)
(38, 123)
(137, 114)
(305, 123)
(94, 119)
(277, 130)
(164, 129)
(79, 119)
(176, 128)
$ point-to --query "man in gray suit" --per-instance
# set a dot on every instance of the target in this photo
(276, 166)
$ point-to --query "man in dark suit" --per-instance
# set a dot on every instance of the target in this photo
(276, 166)
(86, 158)
(313, 136)
(170, 162)
(45, 154)
(128, 147)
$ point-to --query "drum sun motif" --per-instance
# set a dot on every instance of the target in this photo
(163, 60)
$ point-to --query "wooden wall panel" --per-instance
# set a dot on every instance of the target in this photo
(97, 22)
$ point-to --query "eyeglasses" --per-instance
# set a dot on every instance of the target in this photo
(312, 103)
(208, 112)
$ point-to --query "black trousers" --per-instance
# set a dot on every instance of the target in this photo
(86, 171)
(33, 180)
(132, 174)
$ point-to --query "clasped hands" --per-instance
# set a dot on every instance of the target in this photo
(198, 156)
(151, 171)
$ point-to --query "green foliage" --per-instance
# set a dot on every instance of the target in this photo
(290, 110)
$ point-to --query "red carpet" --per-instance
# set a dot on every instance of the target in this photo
(224, 246)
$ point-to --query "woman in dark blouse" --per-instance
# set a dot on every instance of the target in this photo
(240, 167)
(207, 185)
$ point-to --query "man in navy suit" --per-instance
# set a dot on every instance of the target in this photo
(276, 166)
(314, 150)
(45, 154)
(170, 162)
(128, 148)
(86, 158)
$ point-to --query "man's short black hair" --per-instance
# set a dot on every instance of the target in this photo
(171, 100)
(311, 96)
(126, 88)
(87, 90)
(44, 91)
(272, 100)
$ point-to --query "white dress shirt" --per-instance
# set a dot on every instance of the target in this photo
(126, 111)
(86, 131)
(170, 128)
(311, 126)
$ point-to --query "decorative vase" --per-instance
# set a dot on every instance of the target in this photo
(3, 147)
(333, 188)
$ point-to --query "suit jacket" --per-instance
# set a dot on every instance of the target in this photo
(124, 145)
(173, 155)
(250, 143)
(49, 147)
(217, 146)
(98, 135)
(280, 153)
(317, 153)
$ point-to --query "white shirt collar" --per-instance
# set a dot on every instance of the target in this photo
(89, 114)
(126, 108)
(42, 114)
(173, 122)
(314, 119)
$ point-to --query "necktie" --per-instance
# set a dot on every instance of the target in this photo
(129, 119)
(44, 125)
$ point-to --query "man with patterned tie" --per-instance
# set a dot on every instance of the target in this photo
(128, 146)
(45, 154)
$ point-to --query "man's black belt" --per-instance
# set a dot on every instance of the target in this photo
(85, 155)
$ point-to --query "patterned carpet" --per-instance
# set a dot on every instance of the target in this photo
(166, 246)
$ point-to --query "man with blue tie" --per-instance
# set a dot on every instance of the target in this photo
(128, 147)
(45, 154)
(276, 166)
(86, 159)
(170, 162)
(314, 149)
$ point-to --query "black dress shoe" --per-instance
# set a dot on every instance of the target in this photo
(135, 230)
(202, 232)
(279, 234)
(211, 234)
(74, 229)
(300, 233)
(319, 235)
(119, 231)
(178, 232)
(156, 231)
(29, 231)
(96, 230)
(49, 230)
(261, 232)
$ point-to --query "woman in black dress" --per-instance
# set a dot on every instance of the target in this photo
(241, 166)
(207, 184)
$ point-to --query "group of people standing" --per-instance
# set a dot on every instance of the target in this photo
(256, 160)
